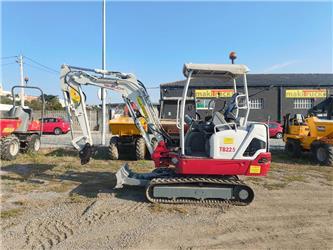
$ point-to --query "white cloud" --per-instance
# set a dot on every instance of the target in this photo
(280, 66)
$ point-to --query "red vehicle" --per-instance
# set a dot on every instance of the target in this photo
(275, 130)
(18, 130)
(55, 126)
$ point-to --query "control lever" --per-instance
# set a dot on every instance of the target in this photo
(188, 120)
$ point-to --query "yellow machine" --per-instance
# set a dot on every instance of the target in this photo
(125, 126)
(309, 134)
(127, 134)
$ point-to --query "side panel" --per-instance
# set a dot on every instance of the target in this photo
(200, 166)
(258, 131)
(34, 125)
(8, 126)
(225, 144)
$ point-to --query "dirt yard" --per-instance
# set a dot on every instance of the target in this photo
(51, 201)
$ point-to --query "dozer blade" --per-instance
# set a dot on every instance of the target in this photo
(126, 177)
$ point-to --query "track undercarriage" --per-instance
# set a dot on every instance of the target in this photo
(165, 186)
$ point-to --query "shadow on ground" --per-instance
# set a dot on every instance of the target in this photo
(94, 183)
(26, 171)
(60, 152)
(126, 153)
(100, 153)
(90, 183)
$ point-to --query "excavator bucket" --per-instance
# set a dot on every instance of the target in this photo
(85, 153)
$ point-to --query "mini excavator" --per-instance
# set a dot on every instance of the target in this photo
(205, 166)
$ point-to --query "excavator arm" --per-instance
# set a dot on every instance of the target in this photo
(132, 91)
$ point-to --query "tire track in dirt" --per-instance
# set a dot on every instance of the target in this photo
(46, 231)
(260, 228)
(254, 239)
(100, 209)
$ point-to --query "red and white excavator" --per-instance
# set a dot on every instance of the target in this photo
(205, 166)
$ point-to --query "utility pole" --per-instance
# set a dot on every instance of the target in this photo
(103, 90)
(20, 61)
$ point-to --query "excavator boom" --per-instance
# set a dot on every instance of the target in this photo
(132, 91)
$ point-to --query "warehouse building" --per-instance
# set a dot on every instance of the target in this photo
(271, 95)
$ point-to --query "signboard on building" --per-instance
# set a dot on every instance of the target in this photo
(306, 93)
(213, 93)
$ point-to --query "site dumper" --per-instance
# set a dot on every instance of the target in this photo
(205, 165)
(19, 131)
(126, 135)
(310, 134)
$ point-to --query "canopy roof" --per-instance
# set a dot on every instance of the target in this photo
(227, 71)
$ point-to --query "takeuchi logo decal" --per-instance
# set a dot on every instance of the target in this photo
(306, 93)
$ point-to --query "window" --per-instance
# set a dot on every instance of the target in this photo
(204, 104)
(257, 103)
(302, 103)
(254, 146)
(272, 125)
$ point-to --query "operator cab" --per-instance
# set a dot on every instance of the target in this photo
(197, 137)
(226, 132)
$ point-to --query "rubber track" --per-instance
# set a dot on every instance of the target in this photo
(194, 180)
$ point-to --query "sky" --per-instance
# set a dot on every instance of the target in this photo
(154, 39)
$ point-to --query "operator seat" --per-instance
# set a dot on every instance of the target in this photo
(228, 113)
(197, 138)
(218, 119)
(195, 144)
(23, 114)
(298, 119)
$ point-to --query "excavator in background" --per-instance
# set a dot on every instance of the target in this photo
(205, 165)
(18, 130)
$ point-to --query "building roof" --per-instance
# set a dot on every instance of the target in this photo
(263, 80)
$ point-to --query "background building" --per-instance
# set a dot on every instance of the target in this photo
(271, 95)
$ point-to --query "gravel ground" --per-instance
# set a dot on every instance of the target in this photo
(50, 201)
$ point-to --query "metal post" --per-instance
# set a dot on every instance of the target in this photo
(103, 90)
(182, 113)
(20, 61)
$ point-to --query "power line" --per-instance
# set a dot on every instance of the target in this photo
(8, 57)
(5, 64)
(42, 65)
(40, 68)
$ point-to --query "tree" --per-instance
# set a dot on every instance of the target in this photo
(51, 102)
(34, 104)
(6, 100)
